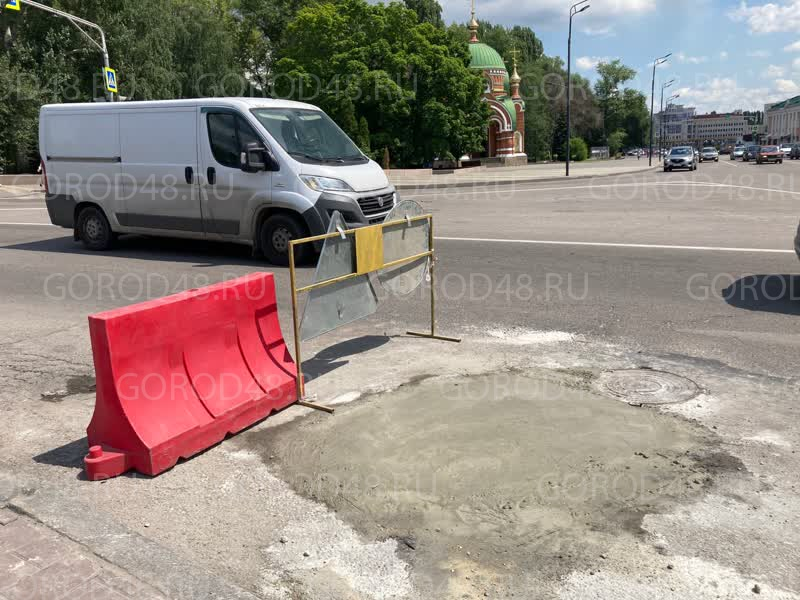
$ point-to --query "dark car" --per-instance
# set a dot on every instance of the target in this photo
(794, 153)
(768, 154)
(750, 153)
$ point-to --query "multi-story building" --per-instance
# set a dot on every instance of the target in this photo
(782, 120)
(681, 125)
(718, 128)
(674, 123)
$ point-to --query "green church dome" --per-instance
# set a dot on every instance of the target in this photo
(485, 57)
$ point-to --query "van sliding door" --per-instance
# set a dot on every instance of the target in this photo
(159, 170)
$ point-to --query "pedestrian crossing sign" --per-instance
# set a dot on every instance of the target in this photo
(110, 77)
(12, 4)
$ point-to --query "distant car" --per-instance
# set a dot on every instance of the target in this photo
(795, 153)
(738, 152)
(709, 153)
(681, 157)
(769, 154)
(750, 153)
(786, 149)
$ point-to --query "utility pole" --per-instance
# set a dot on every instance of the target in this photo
(573, 10)
(77, 22)
(656, 62)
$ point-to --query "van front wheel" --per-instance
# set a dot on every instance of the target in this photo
(94, 230)
(276, 233)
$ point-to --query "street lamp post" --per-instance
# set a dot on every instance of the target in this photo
(656, 62)
(573, 10)
(661, 116)
(77, 22)
(671, 98)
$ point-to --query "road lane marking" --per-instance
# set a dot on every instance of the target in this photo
(683, 183)
(616, 245)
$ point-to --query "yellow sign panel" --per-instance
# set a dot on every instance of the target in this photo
(369, 249)
(110, 77)
(13, 4)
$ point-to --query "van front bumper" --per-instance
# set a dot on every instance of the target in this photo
(357, 208)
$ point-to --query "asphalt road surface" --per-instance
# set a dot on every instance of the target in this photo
(687, 273)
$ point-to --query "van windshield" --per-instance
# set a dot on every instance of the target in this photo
(309, 135)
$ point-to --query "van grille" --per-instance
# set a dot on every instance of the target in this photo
(373, 205)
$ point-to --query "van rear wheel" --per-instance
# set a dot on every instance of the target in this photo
(274, 237)
(94, 230)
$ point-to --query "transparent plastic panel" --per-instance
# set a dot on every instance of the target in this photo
(339, 303)
(403, 240)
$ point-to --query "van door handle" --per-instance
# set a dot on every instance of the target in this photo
(211, 175)
(189, 174)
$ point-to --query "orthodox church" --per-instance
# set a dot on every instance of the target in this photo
(506, 140)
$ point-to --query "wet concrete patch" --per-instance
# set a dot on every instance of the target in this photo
(81, 384)
(516, 470)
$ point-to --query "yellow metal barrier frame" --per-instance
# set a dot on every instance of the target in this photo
(369, 258)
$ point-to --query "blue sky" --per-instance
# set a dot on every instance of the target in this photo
(726, 54)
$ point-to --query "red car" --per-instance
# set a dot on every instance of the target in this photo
(769, 154)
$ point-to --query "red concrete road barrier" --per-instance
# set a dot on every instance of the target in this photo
(178, 374)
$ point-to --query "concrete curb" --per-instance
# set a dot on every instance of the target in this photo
(20, 179)
(168, 572)
(512, 181)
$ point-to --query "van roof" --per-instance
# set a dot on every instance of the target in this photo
(241, 103)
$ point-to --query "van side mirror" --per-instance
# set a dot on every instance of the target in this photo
(255, 158)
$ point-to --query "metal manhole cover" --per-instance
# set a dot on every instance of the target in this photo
(646, 386)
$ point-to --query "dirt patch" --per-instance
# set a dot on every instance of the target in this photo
(514, 471)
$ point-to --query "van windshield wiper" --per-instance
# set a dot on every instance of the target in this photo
(342, 159)
(306, 155)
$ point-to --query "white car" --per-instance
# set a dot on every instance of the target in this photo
(738, 152)
(786, 149)
(709, 153)
(681, 157)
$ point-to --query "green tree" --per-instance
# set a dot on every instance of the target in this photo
(621, 108)
(578, 151)
(409, 80)
(616, 140)
(363, 135)
(428, 11)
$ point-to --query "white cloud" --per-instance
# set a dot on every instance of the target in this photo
(787, 86)
(769, 18)
(723, 55)
(795, 47)
(759, 53)
(724, 94)
(607, 31)
(691, 60)
(796, 64)
(589, 63)
(544, 13)
(773, 72)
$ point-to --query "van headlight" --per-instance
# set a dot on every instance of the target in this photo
(325, 184)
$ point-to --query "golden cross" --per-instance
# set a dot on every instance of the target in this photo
(514, 54)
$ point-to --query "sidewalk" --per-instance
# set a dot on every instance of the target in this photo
(36, 563)
(405, 179)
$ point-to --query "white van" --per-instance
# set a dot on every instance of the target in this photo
(254, 171)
